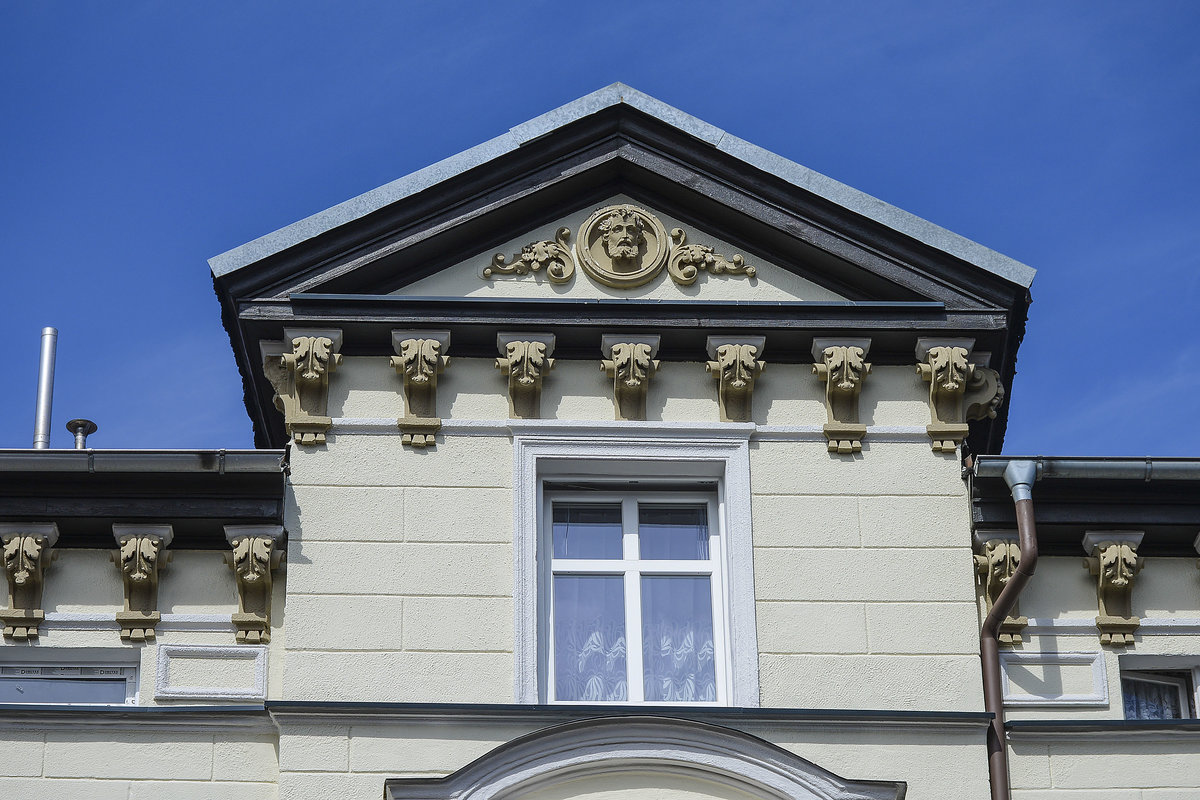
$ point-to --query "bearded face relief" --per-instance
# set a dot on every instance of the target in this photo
(622, 237)
(622, 246)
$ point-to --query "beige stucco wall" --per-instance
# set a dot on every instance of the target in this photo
(1079, 768)
(132, 763)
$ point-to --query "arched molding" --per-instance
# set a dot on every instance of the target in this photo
(658, 744)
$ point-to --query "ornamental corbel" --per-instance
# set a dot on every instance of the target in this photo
(961, 388)
(298, 369)
(27, 554)
(420, 358)
(1114, 561)
(841, 364)
(629, 361)
(553, 256)
(996, 562)
(734, 363)
(254, 557)
(140, 554)
(525, 359)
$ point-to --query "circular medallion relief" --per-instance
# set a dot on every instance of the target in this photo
(622, 246)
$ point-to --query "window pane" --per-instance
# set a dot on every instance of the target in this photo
(589, 638)
(1151, 700)
(60, 690)
(673, 532)
(587, 530)
(677, 639)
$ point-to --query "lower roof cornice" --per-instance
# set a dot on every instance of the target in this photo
(296, 712)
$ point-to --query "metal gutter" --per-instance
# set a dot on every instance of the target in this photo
(1116, 468)
(88, 461)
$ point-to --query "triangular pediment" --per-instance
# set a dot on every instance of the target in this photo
(827, 259)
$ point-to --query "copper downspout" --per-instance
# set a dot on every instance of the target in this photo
(1020, 476)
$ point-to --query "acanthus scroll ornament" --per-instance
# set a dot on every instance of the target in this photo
(1114, 561)
(842, 367)
(687, 260)
(420, 359)
(139, 557)
(301, 381)
(736, 367)
(630, 364)
(525, 361)
(553, 256)
(253, 558)
(959, 390)
(995, 566)
(621, 246)
(26, 549)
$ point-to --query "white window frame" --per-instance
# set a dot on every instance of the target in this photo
(48, 663)
(633, 453)
(631, 570)
(1136, 665)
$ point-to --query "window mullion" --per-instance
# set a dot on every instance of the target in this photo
(633, 634)
(633, 600)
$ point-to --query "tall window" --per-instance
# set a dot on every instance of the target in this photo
(637, 604)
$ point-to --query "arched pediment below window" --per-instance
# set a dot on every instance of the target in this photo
(641, 758)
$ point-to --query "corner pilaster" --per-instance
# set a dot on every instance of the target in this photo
(298, 369)
(525, 359)
(629, 361)
(139, 557)
(253, 559)
(420, 358)
(841, 364)
(26, 558)
(996, 562)
(1114, 561)
(961, 388)
(734, 363)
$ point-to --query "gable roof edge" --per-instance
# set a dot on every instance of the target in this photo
(615, 94)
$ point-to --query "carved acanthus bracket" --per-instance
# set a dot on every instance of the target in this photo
(842, 365)
(996, 563)
(687, 260)
(298, 370)
(27, 554)
(1114, 561)
(253, 559)
(630, 362)
(959, 390)
(553, 256)
(139, 557)
(525, 359)
(420, 358)
(735, 365)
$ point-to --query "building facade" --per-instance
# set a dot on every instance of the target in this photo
(615, 457)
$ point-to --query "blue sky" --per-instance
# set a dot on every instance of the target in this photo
(141, 138)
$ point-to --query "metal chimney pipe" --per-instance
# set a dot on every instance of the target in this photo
(45, 390)
(81, 429)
